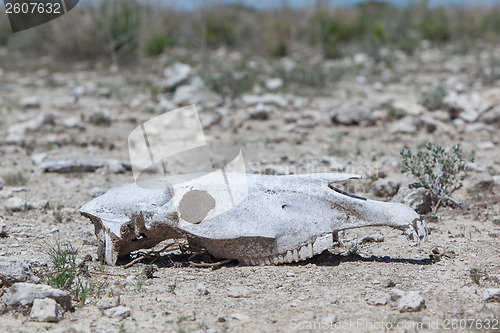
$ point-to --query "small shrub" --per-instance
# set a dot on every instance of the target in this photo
(477, 274)
(438, 170)
(434, 100)
(63, 258)
(15, 179)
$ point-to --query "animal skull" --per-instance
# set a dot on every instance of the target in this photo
(281, 219)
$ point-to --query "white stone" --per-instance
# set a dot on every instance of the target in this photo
(201, 290)
(30, 102)
(274, 83)
(486, 145)
(118, 312)
(176, 74)
(237, 292)
(411, 302)
(491, 295)
(14, 204)
(25, 294)
(46, 310)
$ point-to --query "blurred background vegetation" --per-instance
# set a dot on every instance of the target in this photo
(127, 30)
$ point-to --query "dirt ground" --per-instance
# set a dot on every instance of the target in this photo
(330, 292)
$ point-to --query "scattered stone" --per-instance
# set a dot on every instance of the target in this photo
(485, 145)
(384, 187)
(406, 125)
(16, 132)
(353, 116)
(431, 125)
(467, 107)
(13, 270)
(274, 83)
(492, 117)
(407, 108)
(46, 310)
(419, 199)
(496, 220)
(73, 122)
(176, 75)
(189, 93)
(14, 204)
(104, 92)
(30, 102)
(388, 284)
(330, 319)
(1, 183)
(23, 294)
(4, 231)
(496, 180)
(478, 183)
(259, 112)
(377, 300)
(333, 163)
(88, 165)
(491, 295)
(411, 302)
(118, 312)
(277, 100)
(241, 317)
(375, 238)
(100, 118)
(96, 191)
(238, 291)
(201, 290)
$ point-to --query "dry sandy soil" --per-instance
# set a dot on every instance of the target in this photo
(331, 292)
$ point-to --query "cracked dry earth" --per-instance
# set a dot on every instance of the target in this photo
(345, 289)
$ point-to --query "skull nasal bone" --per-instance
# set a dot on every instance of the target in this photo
(195, 206)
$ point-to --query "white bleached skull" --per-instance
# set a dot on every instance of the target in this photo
(281, 219)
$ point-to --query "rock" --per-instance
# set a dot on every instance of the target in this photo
(407, 108)
(13, 270)
(16, 132)
(88, 165)
(353, 116)
(384, 187)
(275, 99)
(46, 310)
(189, 93)
(100, 118)
(431, 125)
(104, 92)
(330, 319)
(23, 294)
(274, 83)
(419, 199)
(496, 180)
(259, 112)
(4, 231)
(377, 300)
(388, 284)
(491, 295)
(375, 238)
(1, 183)
(485, 145)
(238, 291)
(96, 191)
(406, 125)
(201, 290)
(31, 102)
(467, 107)
(118, 312)
(395, 296)
(411, 302)
(496, 220)
(176, 75)
(241, 317)
(333, 163)
(481, 182)
(14, 204)
(492, 117)
(73, 122)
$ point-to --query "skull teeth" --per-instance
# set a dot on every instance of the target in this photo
(306, 251)
(417, 231)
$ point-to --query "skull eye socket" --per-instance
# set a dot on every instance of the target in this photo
(195, 206)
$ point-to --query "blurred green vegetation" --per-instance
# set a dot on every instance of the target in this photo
(128, 29)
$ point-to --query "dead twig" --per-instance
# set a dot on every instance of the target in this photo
(215, 264)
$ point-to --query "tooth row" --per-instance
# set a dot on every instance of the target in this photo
(320, 244)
